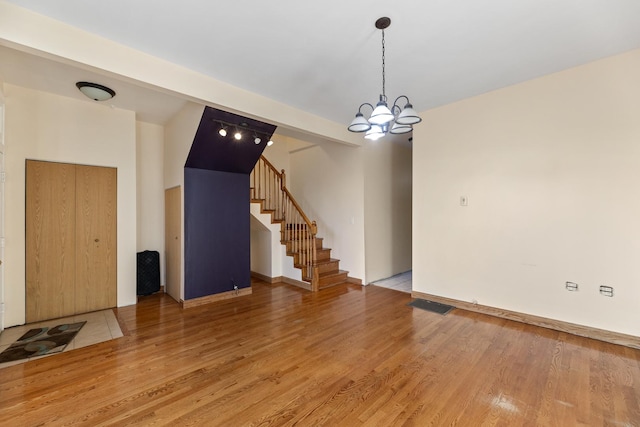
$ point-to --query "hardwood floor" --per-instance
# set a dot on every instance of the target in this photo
(345, 356)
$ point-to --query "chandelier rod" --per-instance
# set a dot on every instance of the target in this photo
(384, 94)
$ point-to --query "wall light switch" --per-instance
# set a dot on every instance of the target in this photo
(464, 201)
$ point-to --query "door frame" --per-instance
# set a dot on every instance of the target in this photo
(173, 261)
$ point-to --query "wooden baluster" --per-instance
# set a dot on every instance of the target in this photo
(260, 181)
(255, 180)
(303, 242)
(306, 247)
(272, 180)
(269, 176)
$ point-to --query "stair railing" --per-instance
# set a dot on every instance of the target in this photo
(268, 186)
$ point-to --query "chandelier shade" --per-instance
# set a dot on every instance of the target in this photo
(383, 120)
(408, 116)
(399, 128)
(376, 132)
(359, 124)
(381, 115)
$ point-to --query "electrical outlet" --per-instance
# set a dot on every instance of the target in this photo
(607, 291)
(571, 286)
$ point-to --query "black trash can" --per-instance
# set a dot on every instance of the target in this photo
(148, 270)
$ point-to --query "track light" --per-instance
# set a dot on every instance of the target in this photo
(270, 143)
(239, 130)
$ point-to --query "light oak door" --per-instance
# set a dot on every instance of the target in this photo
(50, 240)
(172, 239)
(70, 239)
(96, 260)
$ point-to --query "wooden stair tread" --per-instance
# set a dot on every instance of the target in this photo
(329, 274)
(324, 261)
(318, 264)
(333, 273)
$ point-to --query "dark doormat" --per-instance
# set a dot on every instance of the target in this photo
(435, 307)
(41, 341)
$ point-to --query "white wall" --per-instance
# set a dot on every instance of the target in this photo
(42, 126)
(265, 244)
(551, 169)
(178, 137)
(328, 182)
(150, 190)
(387, 206)
(278, 153)
(261, 260)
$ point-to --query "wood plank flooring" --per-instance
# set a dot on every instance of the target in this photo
(346, 356)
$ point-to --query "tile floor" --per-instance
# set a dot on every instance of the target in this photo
(101, 326)
(399, 282)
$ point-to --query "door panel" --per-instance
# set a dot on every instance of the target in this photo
(173, 246)
(96, 260)
(50, 240)
(70, 239)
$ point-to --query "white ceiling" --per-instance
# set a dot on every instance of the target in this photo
(324, 57)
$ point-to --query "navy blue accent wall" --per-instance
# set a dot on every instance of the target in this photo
(211, 151)
(217, 232)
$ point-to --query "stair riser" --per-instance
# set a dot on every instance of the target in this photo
(299, 236)
(330, 267)
(290, 244)
(333, 280)
(321, 255)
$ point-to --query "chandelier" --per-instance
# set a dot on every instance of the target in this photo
(383, 119)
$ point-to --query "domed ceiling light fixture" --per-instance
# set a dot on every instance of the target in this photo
(383, 119)
(95, 91)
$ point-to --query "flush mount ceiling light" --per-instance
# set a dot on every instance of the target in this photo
(383, 119)
(95, 91)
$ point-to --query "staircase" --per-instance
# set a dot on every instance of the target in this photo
(297, 232)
